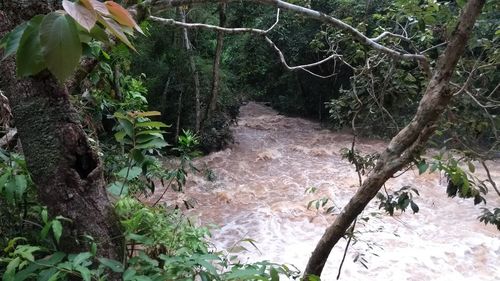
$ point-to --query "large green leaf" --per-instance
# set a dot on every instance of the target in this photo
(111, 264)
(29, 58)
(57, 229)
(11, 41)
(61, 45)
(99, 34)
(155, 143)
(133, 172)
(22, 185)
(118, 188)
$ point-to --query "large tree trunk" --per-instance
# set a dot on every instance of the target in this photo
(407, 143)
(194, 72)
(64, 166)
(214, 96)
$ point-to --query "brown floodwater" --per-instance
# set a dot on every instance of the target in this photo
(259, 193)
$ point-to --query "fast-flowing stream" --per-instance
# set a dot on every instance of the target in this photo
(259, 193)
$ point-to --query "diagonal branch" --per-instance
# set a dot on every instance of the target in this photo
(408, 142)
(386, 34)
(209, 27)
(304, 66)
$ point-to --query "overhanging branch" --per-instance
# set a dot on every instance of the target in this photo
(161, 5)
(255, 31)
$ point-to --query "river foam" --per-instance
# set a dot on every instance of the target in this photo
(259, 193)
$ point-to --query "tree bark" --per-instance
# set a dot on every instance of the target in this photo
(194, 72)
(64, 166)
(214, 96)
(407, 143)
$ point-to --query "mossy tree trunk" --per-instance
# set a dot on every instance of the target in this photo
(64, 166)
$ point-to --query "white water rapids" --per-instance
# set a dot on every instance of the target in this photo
(259, 190)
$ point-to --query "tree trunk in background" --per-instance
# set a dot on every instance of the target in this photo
(407, 143)
(194, 72)
(179, 111)
(64, 166)
(164, 96)
(214, 96)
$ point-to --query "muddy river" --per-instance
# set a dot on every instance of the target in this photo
(258, 189)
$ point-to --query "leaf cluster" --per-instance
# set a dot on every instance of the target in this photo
(56, 41)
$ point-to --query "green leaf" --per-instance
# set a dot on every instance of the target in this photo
(119, 136)
(153, 124)
(27, 251)
(274, 275)
(53, 259)
(11, 269)
(208, 266)
(29, 57)
(145, 138)
(61, 45)
(45, 215)
(243, 274)
(410, 78)
(111, 264)
(155, 143)
(133, 172)
(422, 167)
(48, 274)
(129, 274)
(83, 16)
(81, 257)
(138, 156)
(21, 185)
(3, 179)
(99, 34)
(117, 187)
(84, 272)
(151, 132)
(127, 127)
(57, 229)
(27, 272)
(10, 189)
(11, 41)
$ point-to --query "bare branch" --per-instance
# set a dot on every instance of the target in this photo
(301, 67)
(494, 90)
(434, 47)
(469, 78)
(276, 22)
(208, 26)
(492, 182)
(387, 33)
(218, 28)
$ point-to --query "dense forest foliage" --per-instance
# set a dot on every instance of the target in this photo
(95, 96)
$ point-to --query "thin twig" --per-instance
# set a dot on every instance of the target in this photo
(347, 247)
(492, 182)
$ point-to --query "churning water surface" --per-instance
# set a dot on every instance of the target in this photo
(259, 193)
